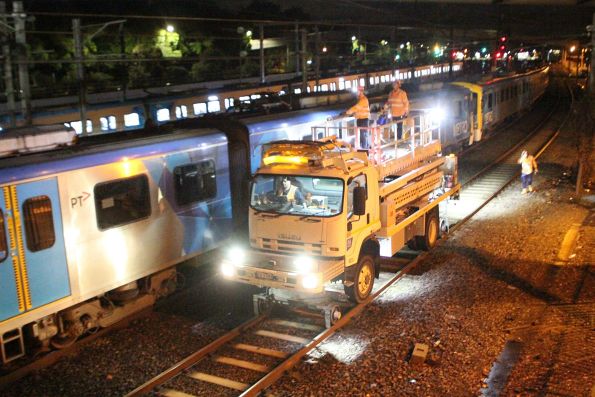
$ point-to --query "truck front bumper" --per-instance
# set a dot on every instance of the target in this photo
(290, 272)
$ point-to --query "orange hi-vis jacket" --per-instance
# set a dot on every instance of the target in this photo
(361, 110)
(398, 103)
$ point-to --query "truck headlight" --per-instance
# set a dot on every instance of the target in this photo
(236, 255)
(310, 281)
(228, 269)
(303, 264)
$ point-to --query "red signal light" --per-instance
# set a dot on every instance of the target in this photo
(502, 48)
(498, 55)
(503, 39)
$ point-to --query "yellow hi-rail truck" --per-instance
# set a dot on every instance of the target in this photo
(325, 211)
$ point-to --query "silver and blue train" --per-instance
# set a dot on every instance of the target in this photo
(93, 231)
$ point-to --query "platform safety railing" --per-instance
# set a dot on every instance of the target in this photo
(383, 142)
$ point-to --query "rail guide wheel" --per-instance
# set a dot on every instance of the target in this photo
(332, 314)
(263, 304)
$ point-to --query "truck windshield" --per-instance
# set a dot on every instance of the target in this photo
(297, 195)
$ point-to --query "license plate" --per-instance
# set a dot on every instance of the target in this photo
(265, 276)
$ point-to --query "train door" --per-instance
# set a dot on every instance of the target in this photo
(473, 119)
(35, 245)
(11, 302)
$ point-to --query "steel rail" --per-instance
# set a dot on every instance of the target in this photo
(507, 155)
(277, 372)
(515, 147)
(195, 357)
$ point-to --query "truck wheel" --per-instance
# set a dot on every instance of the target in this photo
(428, 241)
(363, 281)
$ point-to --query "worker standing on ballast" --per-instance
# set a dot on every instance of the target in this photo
(398, 104)
(528, 169)
(361, 112)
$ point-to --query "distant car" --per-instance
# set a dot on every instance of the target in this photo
(265, 102)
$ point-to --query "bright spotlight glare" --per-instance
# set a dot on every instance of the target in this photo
(236, 255)
(437, 114)
(303, 264)
(170, 28)
(228, 270)
(310, 281)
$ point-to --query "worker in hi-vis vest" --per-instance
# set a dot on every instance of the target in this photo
(361, 112)
(398, 104)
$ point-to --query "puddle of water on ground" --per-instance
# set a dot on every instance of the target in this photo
(501, 369)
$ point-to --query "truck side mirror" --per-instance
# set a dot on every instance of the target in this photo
(359, 200)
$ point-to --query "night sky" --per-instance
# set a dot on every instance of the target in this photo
(531, 22)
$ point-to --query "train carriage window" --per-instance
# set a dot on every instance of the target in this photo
(199, 108)
(39, 223)
(108, 123)
(122, 201)
(131, 120)
(3, 242)
(490, 99)
(181, 112)
(195, 182)
(214, 106)
(78, 127)
(163, 114)
(459, 108)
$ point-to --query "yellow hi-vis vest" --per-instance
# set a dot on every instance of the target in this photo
(398, 102)
(361, 110)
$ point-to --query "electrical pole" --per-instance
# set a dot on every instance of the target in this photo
(262, 72)
(450, 52)
(21, 41)
(304, 64)
(591, 28)
(8, 83)
(124, 68)
(317, 55)
(297, 49)
(80, 72)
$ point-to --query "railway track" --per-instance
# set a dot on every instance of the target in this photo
(488, 174)
(254, 355)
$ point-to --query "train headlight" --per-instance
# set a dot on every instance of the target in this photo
(303, 264)
(311, 281)
(228, 269)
